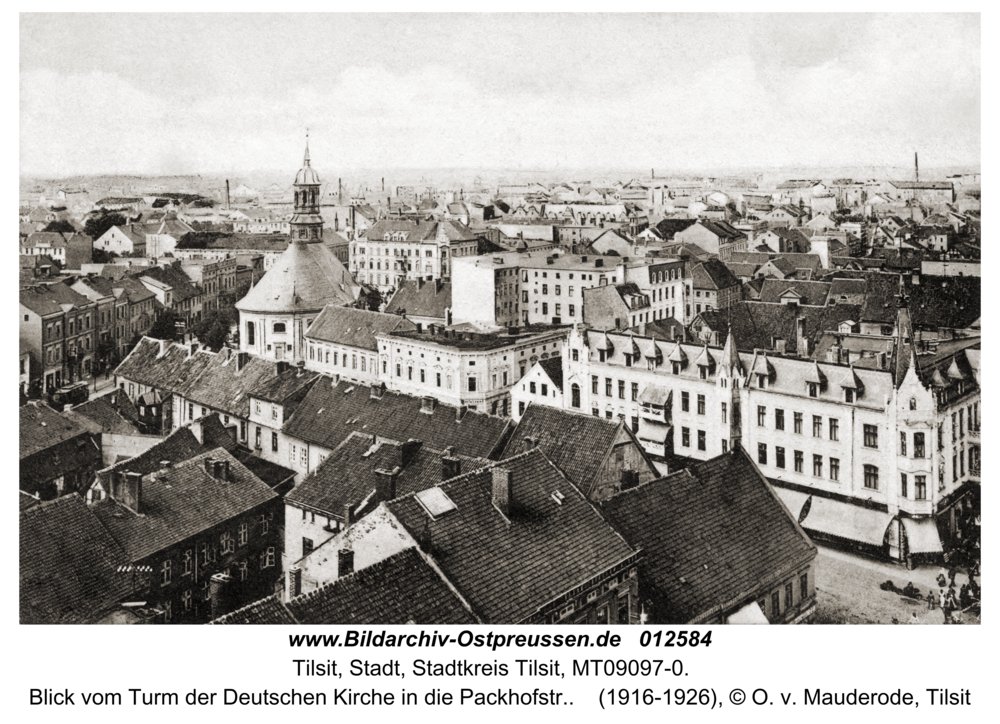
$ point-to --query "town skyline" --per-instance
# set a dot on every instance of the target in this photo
(472, 91)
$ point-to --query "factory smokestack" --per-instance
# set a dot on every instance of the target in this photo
(916, 166)
(227, 194)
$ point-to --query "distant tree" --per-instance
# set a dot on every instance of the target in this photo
(97, 226)
(165, 326)
(61, 226)
(100, 256)
(198, 239)
(203, 203)
(160, 203)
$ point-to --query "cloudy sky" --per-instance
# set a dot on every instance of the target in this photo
(207, 93)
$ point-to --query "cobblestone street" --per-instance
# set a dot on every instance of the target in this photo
(847, 591)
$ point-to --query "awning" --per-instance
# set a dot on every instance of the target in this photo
(847, 521)
(793, 500)
(922, 535)
(750, 613)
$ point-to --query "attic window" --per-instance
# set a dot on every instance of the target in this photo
(435, 502)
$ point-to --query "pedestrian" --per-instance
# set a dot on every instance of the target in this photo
(930, 600)
(943, 600)
(952, 572)
(913, 617)
(941, 580)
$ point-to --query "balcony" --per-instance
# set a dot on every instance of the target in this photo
(973, 433)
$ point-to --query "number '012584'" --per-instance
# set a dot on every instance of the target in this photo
(675, 638)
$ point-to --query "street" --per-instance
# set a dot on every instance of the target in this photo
(847, 591)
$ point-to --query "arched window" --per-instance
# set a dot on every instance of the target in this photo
(576, 395)
(250, 334)
(279, 327)
(913, 403)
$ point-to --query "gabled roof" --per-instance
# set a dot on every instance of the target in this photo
(182, 501)
(69, 564)
(46, 299)
(348, 474)
(712, 274)
(268, 610)
(180, 283)
(553, 369)
(178, 446)
(577, 444)
(812, 293)
(355, 327)
(715, 537)
(113, 413)
(329, 413)
(41, 428)
(507, 568)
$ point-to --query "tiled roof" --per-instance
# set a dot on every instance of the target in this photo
(69, 564)
(348, 474)
(269, 610)
(508, 568)
(305, 277)
(754, 325)
(46, 238)
(553, 368)
(354, 327)
(45, 299)
(331, 412)
(41, 428)
(256, 242)
(446, 230)
(25, 501)
(403, 588)
(178, 446)
(114, 412)
(578, 444)
(180, 502)
(179, 282)
(712, 274)
(749, 257)
(714, 537)
(813, 294)
(936, 185)
(215, 434)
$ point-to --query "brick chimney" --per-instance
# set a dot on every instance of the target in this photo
(294, 581)
(407, 451)
(345, 562)
(377, 390)
(801, 341)
(502, 490)
(451, 467)
(242, 359)
(385, 484)
(427, 404)
(218, 590)
(349, 509)
(129, 491)
(460, 412)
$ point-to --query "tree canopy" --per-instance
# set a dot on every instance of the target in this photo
(97, 226)
(214, 328)
(61, 226)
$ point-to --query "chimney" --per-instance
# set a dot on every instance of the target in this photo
(629, 479)
(460, 412)
(349, 513)
(294, 581)
(217, 592)
(227, 194)
(376, 390)
(451, 467)
(408, 451)
(385, 484)
(345, 562)
(281, 367)
(210, 466)
(531, 441)
(801, 341)
(130, 492)
(194, 348)
(502, 494)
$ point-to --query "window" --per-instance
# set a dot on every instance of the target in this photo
(274, 441)
(545, 389)
(575, 395)
(244, 533)
(848, 394)
(725, 445)
(817, 426)
(593, 384)
(789, 601)
(307, 546)
(761, 415)
(803, 587)
(701, 404)
(623, 609)
(871, 477)
(918, 444)
(635, 391)
(267, 558)
(902, 485)
(279, 327)
(762, 453)
(818, 466)
(226, 543)
(304, 456)
(725, 413)
(799, 461)
(920, 487)
(902, 443)
(834, 428)
(797, 422)
(779, 457)
(188, 562)
(572, 310)
(186, 598)
(607, 387)
(575, 355)
(775, 605)
(685, 437)
(165, 572)
(779, 419)
(701, 439)
(257, 439)
(531, 388)
(835, 469)
(813, 389)
(264, 523)
(685, 402)
(621, 389)
(472, 384)
(871, 436)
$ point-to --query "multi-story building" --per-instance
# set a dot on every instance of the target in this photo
(837, 432)
(468, 369)
(511, 289)
(59, 325)
(215, 278)
(395, 250)
(666, 284)
(342, 341)
(123, 240)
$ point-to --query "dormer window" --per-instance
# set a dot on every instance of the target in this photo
(848, 394)
(813, 389)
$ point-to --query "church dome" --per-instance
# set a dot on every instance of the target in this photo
(307, 174)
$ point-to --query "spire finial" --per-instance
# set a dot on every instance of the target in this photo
(305, 161)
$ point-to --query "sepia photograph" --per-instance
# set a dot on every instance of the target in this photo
(501, 318)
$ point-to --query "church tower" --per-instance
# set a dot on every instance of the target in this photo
(307, 224)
